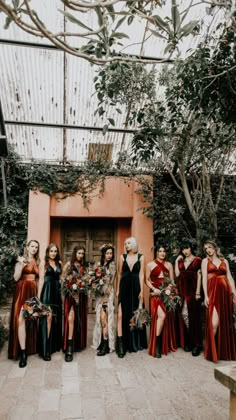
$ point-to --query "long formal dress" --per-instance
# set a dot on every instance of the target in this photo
(223, 345)
(187, 285)
(51, 295)
(168, 331)
(81, 318)
(129, 300)
(107, 293)
(25, 288)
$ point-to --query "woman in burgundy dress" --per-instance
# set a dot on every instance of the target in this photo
(75, 311)
(188, 272)
(23, 334)
(220, 294)
(162, 332)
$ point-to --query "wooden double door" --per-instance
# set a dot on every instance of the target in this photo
(89, 233)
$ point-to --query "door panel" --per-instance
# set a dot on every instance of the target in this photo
(90, 233)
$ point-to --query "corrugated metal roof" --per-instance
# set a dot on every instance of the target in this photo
(39, 85)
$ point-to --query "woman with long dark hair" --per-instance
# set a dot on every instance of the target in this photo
(130, 294)
(23, 333)
(162, 332)
(188, 273)
(103, 333)
(220, 294)
(75, 308)
(50, 327)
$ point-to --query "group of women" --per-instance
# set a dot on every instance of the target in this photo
(197, 280)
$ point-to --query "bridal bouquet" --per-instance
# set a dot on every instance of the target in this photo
(100, 279)
(169, 295)
(33, 308)
(76, 283)
(140, 318)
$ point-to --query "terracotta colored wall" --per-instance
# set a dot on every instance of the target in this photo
(119, 202)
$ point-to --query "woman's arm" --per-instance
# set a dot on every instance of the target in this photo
(141, 276)
(20, 264)
(41, 279)
(148, 282)
(204, 280)
(177, 271)
(230, 278)
(199, 282)
(119, 275)
(171, 272)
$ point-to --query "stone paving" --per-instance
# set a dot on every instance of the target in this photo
(177, 386)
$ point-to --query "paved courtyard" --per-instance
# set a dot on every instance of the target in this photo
(177, 386)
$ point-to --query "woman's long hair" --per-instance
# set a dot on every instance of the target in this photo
(187, 244)
(158, 247)
(57, 258)
(26, 254)
(73, 256)
(104, 249)
(215, 246)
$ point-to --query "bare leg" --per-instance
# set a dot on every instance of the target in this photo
(21, 331)
(215, 321)
(71, 319)
(160, 320)
(49, 325)
(104, 323)
(185, 314)
(119, 321)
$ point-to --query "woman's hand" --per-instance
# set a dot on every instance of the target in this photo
(156, 291)
(179, 258)
(206, 301)
(197, 296)
(22, 261)
(140, 296)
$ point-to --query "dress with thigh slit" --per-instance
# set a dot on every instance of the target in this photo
(223, 345)
(168, 331)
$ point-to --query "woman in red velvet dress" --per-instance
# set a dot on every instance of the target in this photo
(220, 294)
(23, 334)
(75, 311)
(162, 332)
(188, 272)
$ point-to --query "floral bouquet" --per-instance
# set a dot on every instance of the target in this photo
(76, 283)
(33, 308)
(100, 279)
(169, 295)
(140, 318)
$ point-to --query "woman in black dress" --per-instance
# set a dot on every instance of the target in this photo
(50, 327)
(130, 294)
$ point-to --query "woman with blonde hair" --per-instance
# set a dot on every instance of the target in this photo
(220, 294)
(130, 295)
(23, 333)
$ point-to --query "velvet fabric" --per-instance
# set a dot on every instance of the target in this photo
(168, 332)
(79, 339)
(25, 289)
(51, 295)
(223, 345)
(187, 285)
(129, 301)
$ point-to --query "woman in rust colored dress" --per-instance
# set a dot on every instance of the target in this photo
(162, 332)
(23, 334)
(220, 294)
(75, 311)
(188, 272)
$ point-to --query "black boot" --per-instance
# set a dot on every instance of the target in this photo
(158, 347)
(120, 348)
(69, 351)
(104, 348)
(23, 359)
(47, 356)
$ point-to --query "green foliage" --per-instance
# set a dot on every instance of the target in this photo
(126, 84)
(3, 334)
